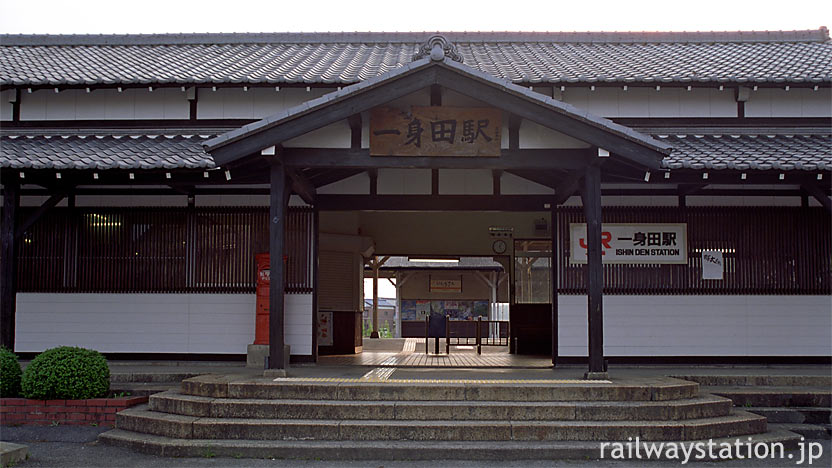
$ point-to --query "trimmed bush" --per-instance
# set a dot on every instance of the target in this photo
(9, 374)
(66, 373)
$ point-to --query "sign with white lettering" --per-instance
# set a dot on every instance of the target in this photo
(435, 131)
(633, 243)
(712, 265)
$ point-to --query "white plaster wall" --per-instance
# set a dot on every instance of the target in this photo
(533, 135)
(701, 325)
(256, 103)
(104, 104)
(297, 323)
(358, 184)
(647, 102)
(152, 323)
(466, 182)
(5, 105)
(404, 181)
(511, 184)
(336, 135)
(800, 102)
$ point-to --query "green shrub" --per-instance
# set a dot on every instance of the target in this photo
(9, 374)
(66, 373)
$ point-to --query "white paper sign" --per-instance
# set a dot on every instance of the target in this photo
(324, 328)
(633, 243)
(712, 265)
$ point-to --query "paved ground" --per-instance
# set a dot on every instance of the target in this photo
(71, 447)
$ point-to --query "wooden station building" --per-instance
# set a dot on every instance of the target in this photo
(652, 195)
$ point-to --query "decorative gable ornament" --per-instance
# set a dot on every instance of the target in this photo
(437, 48)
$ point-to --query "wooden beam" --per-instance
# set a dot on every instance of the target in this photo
(567, 187)
(525, 108)
(316, 248)
(514, 132)
(819, 194)
(689, 189)
(8, 269)
(433, 202)
(43, 209)
(277, 233)
(302, 186)
(591, 196)
(373, 174)
(355, 131)
(339, 109)
(556, 159)
(435, 95)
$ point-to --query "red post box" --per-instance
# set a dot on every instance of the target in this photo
(261, 324)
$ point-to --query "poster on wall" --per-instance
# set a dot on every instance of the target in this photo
(633, 243)
(324, 328)
(712, 265)
(413, 309)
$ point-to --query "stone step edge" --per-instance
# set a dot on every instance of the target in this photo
(729, 380)
(401, 450)
(203, 405)
(139, 419)
(793, 414)
(735, 415)
(236, 386)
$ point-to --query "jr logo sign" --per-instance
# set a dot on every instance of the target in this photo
(633, 243)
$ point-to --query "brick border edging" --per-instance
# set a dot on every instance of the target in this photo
(23, 411)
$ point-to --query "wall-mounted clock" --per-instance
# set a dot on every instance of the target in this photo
(499, 246)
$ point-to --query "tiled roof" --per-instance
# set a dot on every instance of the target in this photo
(529, 58)
(103, 152)
(711, 151)
(744, 152)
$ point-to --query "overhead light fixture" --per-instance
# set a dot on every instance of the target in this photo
(433, 259)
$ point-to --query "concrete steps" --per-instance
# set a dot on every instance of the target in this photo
(758, 380)
(801, 404)
(770, 396)
(798, 415)
(198, 406)
(340, 417)
(393, 450)
(234, 386)
(140, 419)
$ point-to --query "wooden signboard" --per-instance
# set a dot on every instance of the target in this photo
(435, 131)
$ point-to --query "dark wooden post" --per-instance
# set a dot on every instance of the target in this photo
(591, 196)
(374, 264)
(315, 249)
(8, 271)
(553, 264)
(277, 234)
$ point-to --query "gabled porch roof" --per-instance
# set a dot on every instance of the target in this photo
(621, 141)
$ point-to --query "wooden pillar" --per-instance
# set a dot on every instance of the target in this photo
(316, 245)
(277, 233)
(374, 264)
(591, 196)
(8, 271)
(553, 275)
